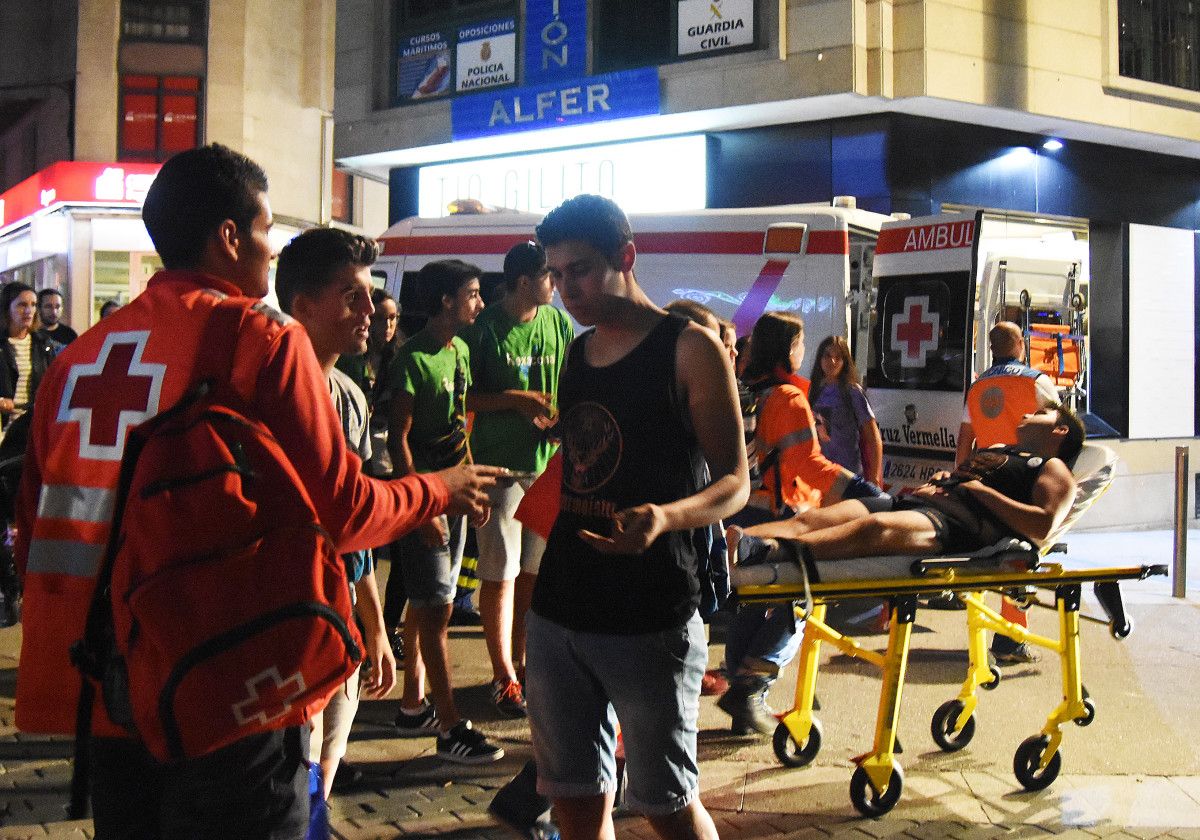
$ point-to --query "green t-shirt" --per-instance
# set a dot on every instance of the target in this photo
(437, 375)
(506, 355)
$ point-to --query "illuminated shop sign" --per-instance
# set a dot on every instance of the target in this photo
(610, 96)
(712, 26)
(555, 40)
(487, 55)
(643, 177)
(78, 182)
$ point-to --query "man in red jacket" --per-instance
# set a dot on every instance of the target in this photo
(208, 216)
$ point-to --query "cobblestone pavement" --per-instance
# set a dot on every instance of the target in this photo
(1134, 773)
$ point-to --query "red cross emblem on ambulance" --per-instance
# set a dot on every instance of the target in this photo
(269, 696)
(915, 331)
(111, 395)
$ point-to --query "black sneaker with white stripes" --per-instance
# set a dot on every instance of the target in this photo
(467, 745)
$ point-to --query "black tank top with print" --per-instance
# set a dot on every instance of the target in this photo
(1005, 469)
(625, 442)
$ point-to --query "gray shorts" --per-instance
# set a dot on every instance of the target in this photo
(431, 574)
(579, 684)
(506, 547)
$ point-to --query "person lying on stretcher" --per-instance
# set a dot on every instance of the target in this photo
(1019, 491)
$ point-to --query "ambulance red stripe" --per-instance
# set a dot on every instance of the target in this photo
(683, 242)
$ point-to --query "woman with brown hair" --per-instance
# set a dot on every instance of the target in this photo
(26, 353)
(846, 424)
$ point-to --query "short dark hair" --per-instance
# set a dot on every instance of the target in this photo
(1071, 445)
(771, 343)
(45, 293)
(308, 262)
(440, 278)
(525, 259)
(194, 192)
(592, 219)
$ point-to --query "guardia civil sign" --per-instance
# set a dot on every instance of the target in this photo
(712, 26)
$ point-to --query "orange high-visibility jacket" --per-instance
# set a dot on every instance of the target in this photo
(1003, 394)
(786, 424)
(124, 370)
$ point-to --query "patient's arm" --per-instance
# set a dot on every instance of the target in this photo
(1052, 496)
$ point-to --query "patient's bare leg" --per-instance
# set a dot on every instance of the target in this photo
(813, 519)
(874, 535)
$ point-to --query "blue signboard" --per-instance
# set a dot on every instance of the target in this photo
(610, 96)
(422, 66)
(555, 40)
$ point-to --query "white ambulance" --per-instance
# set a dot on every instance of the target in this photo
(810, 260)
(940, 283)
(915, 297)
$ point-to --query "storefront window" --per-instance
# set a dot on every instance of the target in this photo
(120, 276)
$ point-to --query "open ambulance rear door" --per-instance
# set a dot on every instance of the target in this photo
(921, 341)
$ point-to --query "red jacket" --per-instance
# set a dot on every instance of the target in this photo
(127, 368)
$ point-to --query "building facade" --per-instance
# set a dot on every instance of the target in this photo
(1083, 110)
(95, 94)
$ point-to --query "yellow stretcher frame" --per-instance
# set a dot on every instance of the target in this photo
(878, 780)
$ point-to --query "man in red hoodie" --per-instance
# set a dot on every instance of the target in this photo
(208, 216)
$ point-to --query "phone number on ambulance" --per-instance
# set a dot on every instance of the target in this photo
(894, 471)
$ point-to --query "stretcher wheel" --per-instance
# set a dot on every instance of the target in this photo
(1088, 715)
(867, 801)
(1121, 631)
(994, 682)
(1026, 761)
(942, 727)
(791, 754)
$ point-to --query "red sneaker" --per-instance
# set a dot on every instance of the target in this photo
(713, 684)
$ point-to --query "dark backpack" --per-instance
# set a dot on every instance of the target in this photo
(221, 608)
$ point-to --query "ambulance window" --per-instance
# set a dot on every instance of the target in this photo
(412, 316)
(919, 340)
(379, 279)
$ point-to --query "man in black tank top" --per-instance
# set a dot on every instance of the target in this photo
(1023, 490)
(613, 633)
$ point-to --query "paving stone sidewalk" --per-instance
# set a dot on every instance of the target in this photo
(1134, 773)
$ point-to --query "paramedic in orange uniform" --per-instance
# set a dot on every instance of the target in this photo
(996, 402)
(795, 476)
(208, 216)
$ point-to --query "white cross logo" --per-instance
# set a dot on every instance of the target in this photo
(270, 697)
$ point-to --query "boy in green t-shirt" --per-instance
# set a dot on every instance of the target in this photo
(517, 349)
(427, 432)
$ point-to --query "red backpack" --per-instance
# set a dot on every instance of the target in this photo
(222, 608)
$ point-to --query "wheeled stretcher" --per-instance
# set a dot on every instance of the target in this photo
(1010, 566)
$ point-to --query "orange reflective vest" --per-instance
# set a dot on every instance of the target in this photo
(125, 370)
(786, 426)
(1000, 397)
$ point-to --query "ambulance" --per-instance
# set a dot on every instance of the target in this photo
(939, 284)
(914, 297)
(810, 260)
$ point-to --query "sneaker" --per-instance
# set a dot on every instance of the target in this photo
(1020, 654)
(347, 778)
(424, 722)
(508, 698)
(520, 807)
(397, 642)
(712, 684)
(466, 745)
(460, 617)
